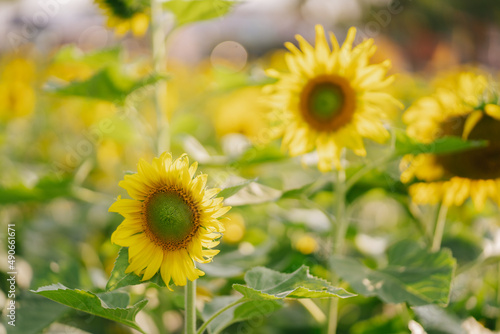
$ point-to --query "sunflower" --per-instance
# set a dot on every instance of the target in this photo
(171, 221)
(17, 89)
(330, 98)
(125, 15)
(464, 105)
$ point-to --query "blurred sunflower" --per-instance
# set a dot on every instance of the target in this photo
(330, 99)
(464, 106)
(241, 111)
(171, 221)
(17, 93)
(125, 15)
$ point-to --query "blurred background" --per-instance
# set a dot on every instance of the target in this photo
(63, 153)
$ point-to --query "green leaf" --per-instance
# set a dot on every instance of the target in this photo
(412, 275)
(267, 284)
(189, 11)
(298, 192)
(376, 179)
(407, 145)
(119, 278)
(241, 312)
(47, 188)
(230, 191)
(35, 313)
(109, 84)
(381, 324)
(88, 302)
(96, 59)
(438, 320)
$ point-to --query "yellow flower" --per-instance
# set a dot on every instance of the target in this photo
(240, 112)
(462, 106)
(124, 16)
(330, 99)
(171, 221)
(235, 228)
(306, 244)
(17, 93)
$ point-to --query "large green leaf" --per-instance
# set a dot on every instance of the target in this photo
(189, 11)
(109, 84)
(47, 188)
(412, 275)
(267, 284)
(263, 294)
(109, 306)
(119, 278)
(407, 145)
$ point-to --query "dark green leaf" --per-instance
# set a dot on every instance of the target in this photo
(88, 302)
(119, 278)
(109, 84)
(34, 314)
(189, 11)
(407, 145)
(267, 284)
(412, 275)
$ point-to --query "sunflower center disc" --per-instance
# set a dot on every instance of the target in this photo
(478, 163)
(169, 217)
(327, 102)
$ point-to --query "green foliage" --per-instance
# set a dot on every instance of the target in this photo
(109, 84)
(96, 59)
(119, 278)
(412, 275)
(407, 145)
(112, 305)
(190, 11)
(237, 312)
(267, 284)
(230, 191)
(35, 314)
(47, 188)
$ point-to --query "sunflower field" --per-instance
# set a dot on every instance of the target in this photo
(250, 166)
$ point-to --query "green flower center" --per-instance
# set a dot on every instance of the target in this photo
(124, 9)
(327, 102)
(171, 218)
(479, 163)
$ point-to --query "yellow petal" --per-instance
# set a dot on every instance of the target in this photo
(493, 110)
(471, 121)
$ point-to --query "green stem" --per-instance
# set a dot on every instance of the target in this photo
(498, 296)
(216, 314)
(338, 233)
(439, 230)
(160, 66)
(368, 168)
(190, 318)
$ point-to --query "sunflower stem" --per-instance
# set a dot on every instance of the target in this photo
(439, 230)
(497, 325)
(219, 312)
(190, 296)
(159, 63)
(338, 234)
